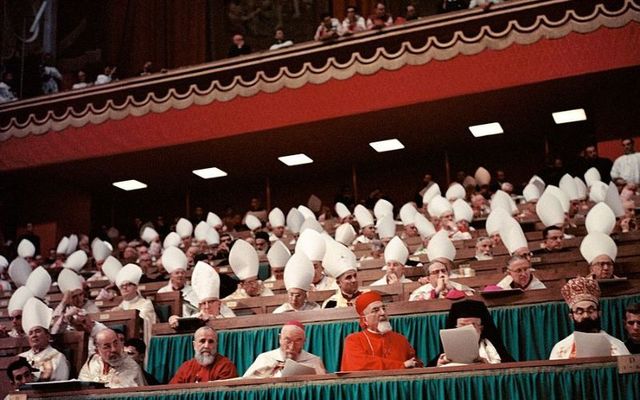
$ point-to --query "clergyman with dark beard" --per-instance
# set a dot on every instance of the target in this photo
(207, 365)
(110, 365)
(582, 295)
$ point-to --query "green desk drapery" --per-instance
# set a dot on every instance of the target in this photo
(578, 381)
(529, 332)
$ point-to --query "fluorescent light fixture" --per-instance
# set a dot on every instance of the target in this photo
(209, 173)
(493, 128)
(131, 184)
(295, 159)
(563, 117)
(386, 145)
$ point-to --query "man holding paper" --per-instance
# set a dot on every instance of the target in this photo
(583, 297)
(289, 359)
(471, 336)
(376, 347)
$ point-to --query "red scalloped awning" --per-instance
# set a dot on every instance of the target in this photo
(573, 55)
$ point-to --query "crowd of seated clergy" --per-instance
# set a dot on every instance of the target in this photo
(308, 250)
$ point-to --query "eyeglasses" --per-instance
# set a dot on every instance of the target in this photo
(603, 264)
(581, 311)
(519, 271)
(437, 272)
(633, 322)
(376, 310)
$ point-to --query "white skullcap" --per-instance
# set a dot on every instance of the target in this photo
(276, 218)
(99, 250)
(200, 232)
(386, 227)
(172, 240)
(363, 216)
(424, 226)
(212, 237)
(149, 234)
(111, 267)
(311, 244)
(433, 191)
(35, 314)
(581, 188)
(455, 191)
(69, 281)
(438, 206)
(278, 255)
(19, 271)
(613, 200)
(26, 249)
(382, 207)
(592, 175)
(306, 212)
(205, 282)
(345, 234)
(184, 228)
(495, 220)
(482, 176)
(408, 213)
(462, 211)
(396, 251)
(129, 273)
(243, 260)
(338, 259)
(213, 220)
(342, 210)
(440, 246)
(568, 186)
(298, 273)
(598, 191)
(596, 244)
(550, 210)
(600, 219)
(18, 299)
(76, 260)
(39, 282)
(311, 224)
(252, 222)
(174, 259)
(531, 192)
(512, 235)
(62, 245)
(72, 245)
(295, 219)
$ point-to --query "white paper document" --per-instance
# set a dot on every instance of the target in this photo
(292, 368)
(460, 344)
(591, 345)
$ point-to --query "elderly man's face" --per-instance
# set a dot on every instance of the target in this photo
(554, 240)
(395, 268)
(278, 231)
(262, 245)
(38, 338)
(348, 282)
(602, 267)
(205, 346)
(178, 279)
(291, 341)
(627, 146)
(520, 272)
(77, 298)
(436, 271)
(130, 254)
(632, 326)
(253, 286)
(128, 290)
(411, 230)
(109, 347)
(374, 314)
(16, 320)
(296, 297)
(210, 307)
(369, 232)
(484, 247)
